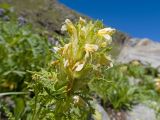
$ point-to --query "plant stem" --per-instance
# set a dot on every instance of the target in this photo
(13, 93)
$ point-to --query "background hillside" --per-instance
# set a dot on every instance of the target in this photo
(49, 15)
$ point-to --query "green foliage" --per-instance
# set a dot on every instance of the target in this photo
(51, 100)
(20, 50)
(8, 113)
(117, 93)
(19, 109)
(125, 85)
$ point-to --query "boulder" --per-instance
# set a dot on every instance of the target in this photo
(148, 52)
(141, 112)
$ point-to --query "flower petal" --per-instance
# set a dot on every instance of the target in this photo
(79, 67)
(91, 47)
(82, 21)
(65, 63)
(63, 28)
(56, 49)
(106, 31)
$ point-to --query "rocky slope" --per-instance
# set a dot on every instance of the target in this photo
(46, 14)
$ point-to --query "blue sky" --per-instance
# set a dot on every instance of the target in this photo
(138, 18)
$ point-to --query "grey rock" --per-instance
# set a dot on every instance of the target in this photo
(22, 20)
(141, 112)
(146, 51)
(103, 113)
(53, 41)
(43, 14)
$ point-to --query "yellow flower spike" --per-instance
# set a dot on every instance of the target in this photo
(84, 41)
(91, 47)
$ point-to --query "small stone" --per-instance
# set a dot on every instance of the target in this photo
(2, 11)
(53, 41)
(6, 18)
(22, 20)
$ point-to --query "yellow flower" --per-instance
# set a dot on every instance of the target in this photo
(108, 38)
(78, 66)
(66, 63)
(91, 47)
(104, 31)
(66, 47)
(82, 21)
(84, 29)
(69, 27)
(68, 22)
(108, 58)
